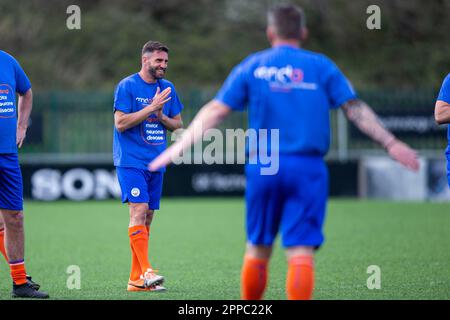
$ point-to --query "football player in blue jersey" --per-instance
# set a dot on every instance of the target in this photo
(442, 116)
(13, 127)
(145, 106)
(292, 90)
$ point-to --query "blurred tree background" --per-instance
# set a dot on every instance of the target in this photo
(206, 38)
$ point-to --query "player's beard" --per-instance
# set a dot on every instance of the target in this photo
(153, 71)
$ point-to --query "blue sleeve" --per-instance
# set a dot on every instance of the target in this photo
(22, 82)
(234, 91)
(122, 98)
(338, 87)
(444, 94)
(175, 104)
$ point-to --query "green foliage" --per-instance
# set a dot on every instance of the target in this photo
(207, 38)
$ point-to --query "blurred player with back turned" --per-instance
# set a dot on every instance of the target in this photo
(13, 127)
(293, 90)
(145, 106)
(442, 116)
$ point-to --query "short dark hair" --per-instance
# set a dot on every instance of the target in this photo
(287, 19)
(154, 46)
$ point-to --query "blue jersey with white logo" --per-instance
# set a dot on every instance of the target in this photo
(139, 145)
(12, 80)
(289, 89)
(444, 95)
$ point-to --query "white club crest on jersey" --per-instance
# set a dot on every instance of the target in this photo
(135, 192)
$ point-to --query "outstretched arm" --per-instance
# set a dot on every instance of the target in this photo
(212, 114)
(358, 112)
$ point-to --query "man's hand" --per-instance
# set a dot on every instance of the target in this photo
(159, 99)
(20, 135)
(25, 104)
(209, 116)
(124, 121)
(366, 120)
(159, 115)
(402, 153)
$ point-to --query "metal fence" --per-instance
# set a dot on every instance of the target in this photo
(67, 126)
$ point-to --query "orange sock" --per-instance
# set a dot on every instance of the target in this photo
(2, 244)
(18, 273)
(253, 278)
(148, 241)
(300, 278)
(139, 243)
(135, 266)
(136, 269)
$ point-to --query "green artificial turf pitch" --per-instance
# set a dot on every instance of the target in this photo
(197, 244)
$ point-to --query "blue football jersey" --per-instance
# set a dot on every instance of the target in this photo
(138, 146)
(292, 90)
(12, 80)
